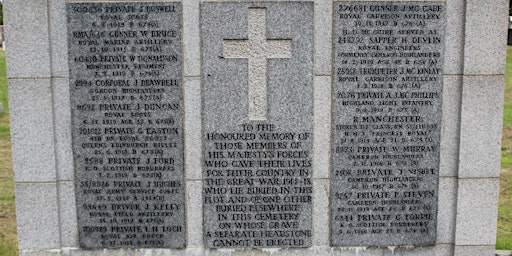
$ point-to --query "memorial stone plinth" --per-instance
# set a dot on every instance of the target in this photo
(257, 115)
(387, 91)
(126, 99)
(230, 127)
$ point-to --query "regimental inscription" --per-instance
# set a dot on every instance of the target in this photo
(386, 122)
(126, 97)
(257, 122)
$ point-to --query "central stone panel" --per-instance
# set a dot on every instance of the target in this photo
(257, 121)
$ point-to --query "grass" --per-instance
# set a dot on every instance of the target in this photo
(506, 144)
(504, 236)
(8, 237)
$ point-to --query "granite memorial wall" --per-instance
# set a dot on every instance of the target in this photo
(309, 127)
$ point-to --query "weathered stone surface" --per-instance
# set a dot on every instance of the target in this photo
(386, 122)
(257, 78)
(126, 97)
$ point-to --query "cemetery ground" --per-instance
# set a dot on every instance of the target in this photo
(504, 238)
(8, 238)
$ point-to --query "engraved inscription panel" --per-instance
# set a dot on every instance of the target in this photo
(257, 124)
(126, 97)
(387, 93)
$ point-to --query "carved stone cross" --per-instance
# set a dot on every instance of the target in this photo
(257, 49)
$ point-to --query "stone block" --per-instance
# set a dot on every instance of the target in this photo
(357, 251)
(446, 211)
(67, 214)
(192, 129)
(194, 214)
(485, 37)
(37, 216)
(322, 119)
(58, 38)
(285, 252)
(476, 250)
(104, 252)
(63, 146)
(320, 212)
(323, 37)
(438, 250)
(232, 252)
(481, 120)
(450, 130)
(454, 41)
(477, 210)
(166, 252)
(191, 40)
(32, 130)
(27, 39)
(55, 252)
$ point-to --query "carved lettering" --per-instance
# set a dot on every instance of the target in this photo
(125, 62)
(386, 123)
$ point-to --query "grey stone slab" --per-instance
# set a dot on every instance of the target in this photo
(485, 37)
(63, 148)
(58, 38)
(477, 211)
(164, 252)
(192, 124)
(126, 97)
(387, 97)
(366, 251)
(67, 214)
(27, 38)
(320, 212)
(454, 41)
(191, 45)
(438, 250)
(40, 253)
(450, 130)
(257, 78)
(481, 121)
(194, 214)
(32, 133)
(322, 117)
(476, 250)
(234, 252)
(447, 210)
(104, 252)
(323, 35)
(37, 216)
